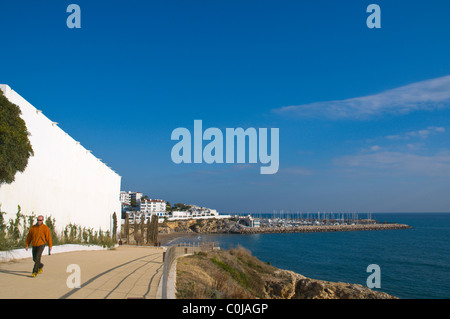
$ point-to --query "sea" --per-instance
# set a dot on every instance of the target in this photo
(413, 263)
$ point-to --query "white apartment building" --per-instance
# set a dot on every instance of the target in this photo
(127, 198)
(153, 206)
(136, 217)
(124, 198)
(196, 212)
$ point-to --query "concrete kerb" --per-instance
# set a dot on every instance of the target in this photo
(171, 276)
(21, 253)
(166, 287)
(167, 284)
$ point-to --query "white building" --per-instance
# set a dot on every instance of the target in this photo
(136, 217)
(249, 221)
(60, 170)
(124, 198)
(153, 206)
(135, 196)
(196, 212)
(128, 198)
(180, 215)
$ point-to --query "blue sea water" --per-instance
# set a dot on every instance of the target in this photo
(414, 263)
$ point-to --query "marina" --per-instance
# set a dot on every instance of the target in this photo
(281, 219)
(311, 222)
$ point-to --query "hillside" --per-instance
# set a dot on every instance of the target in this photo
(236, 274)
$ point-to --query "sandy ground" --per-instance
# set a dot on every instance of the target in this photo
(121, 273)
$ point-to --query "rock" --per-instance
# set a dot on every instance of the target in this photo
(318, 289)
(282, 285)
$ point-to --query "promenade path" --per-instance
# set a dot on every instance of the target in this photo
(121, 273)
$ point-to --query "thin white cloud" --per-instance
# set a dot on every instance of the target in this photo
(412, 158)
(425, 133)
(394, 163)
(375, 148)
(425, 95)
(296, 170)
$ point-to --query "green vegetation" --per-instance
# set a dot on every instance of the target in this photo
(15, 148)
(114, 235)
(14, 233)
(177, 207)
(224, 274)
(237, 275)
(152, 230)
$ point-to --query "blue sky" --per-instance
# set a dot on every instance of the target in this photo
(363, 113)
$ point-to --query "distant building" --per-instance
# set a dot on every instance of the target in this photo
(249, 221)
(124, 198)
(153, 206)
(136, 197)
(196, 212)
(180, 215)
(136, 217)
(149, 207)
(128, 198)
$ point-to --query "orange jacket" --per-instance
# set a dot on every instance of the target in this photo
(39, 235)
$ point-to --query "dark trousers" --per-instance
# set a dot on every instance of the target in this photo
(37, 253)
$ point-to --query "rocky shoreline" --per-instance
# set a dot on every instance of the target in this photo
(236, 274)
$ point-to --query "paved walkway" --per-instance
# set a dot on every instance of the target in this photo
(125, 272)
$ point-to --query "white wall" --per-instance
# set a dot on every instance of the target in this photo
(62, 179)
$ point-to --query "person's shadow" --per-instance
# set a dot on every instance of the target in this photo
(16, 273)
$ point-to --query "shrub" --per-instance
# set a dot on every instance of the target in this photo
(14, 233)
(15, 147)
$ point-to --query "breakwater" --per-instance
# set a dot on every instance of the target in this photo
(226, 226)
(320, 228)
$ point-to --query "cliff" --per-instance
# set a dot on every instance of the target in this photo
(236, 274)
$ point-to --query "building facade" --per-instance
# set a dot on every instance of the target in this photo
(153, 206)
(130, 197)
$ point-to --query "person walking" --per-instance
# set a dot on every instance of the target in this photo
(38, 236)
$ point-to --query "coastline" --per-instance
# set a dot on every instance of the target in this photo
(237, 274)
(291, 286)
(166, 239)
